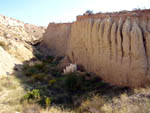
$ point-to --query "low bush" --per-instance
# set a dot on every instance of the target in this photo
(73, 82)
(39, 56)
(33, 95)
(38, 77)
(30, 70)
(47, 101)
(36, 96)
(48, 59)
(51, 82)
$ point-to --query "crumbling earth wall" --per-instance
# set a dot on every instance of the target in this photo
(56, 38)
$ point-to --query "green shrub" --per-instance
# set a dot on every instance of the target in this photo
(39, 56)
(39, 66)
(51, 82)
(48, 59)
(47, 101)
(89, 12)
(55, 72)
(30, 70)
(38, 96)
(38, 76)
(73, 82)
(48, 68)
(33, 95)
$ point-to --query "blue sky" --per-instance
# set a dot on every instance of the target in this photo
(41, 12)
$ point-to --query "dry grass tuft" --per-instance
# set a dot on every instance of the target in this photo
(138, 102)
(11, 93)
(31, 108)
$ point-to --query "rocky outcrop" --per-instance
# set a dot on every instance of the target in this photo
(12, 28)
(117, 49)
(16, 39)
(20, 50)
(56, 39)
(35, 32)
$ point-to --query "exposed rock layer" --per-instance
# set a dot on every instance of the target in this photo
(56, 38)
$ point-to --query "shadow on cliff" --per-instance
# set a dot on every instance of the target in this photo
(42, 78)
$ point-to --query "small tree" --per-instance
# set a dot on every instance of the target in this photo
(88, 12)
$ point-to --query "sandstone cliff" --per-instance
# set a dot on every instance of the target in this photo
(56, 38)
(115, 48)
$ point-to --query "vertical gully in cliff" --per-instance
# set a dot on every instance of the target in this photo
(119, 40)
(121, 36)
(144, 44)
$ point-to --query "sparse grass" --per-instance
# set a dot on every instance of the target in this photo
(92, 105)
(31, 108)
(11, 94)
(122, 104)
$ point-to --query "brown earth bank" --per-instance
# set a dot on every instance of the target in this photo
(115, 46)
(56, 39)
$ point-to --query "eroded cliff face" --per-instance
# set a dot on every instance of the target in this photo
(117, 49)
(56, 39)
